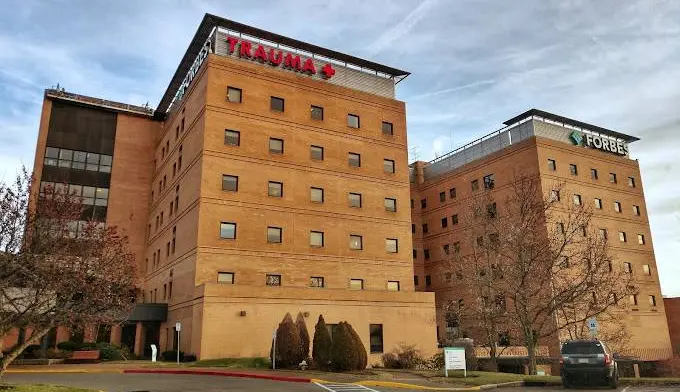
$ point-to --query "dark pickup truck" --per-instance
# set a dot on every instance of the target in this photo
(588, 361)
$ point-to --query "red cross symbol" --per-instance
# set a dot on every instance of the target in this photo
(328, 70)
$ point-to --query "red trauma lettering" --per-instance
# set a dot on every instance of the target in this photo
(244, 49)
(275, 57)
(292, 62)
(232, 43)
(260, 54)
(309, 67)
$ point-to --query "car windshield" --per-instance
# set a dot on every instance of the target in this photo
(583, 348)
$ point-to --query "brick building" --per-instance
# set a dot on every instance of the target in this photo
(272, 178)
(552, 149)
(673, 316)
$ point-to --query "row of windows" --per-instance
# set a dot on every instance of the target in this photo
(79, 160)
(316, 194)
(316, 238)
(488, 181)
(174, 207)
(314, 281)
(594, 175)
(628, 268)
(277, 104)
(276, 146)
(623, 237)
(577, 199)
(91, 196)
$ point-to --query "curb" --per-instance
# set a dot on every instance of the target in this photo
(392, 384)
(503, 384)
(222, 374)
(65, 371)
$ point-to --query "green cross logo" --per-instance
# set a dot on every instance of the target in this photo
(576, 137)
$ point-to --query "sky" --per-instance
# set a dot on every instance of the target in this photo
(474, 64)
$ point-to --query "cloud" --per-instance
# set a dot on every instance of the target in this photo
(402, 28)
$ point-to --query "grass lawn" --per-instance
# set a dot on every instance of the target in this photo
(40, 388)
(235, 363)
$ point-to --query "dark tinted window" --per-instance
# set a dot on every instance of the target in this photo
(583, 348)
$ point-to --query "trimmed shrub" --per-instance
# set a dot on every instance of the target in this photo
(321, 349)
(404, 357)
(68, 346)
(190, 358)
(54, 354)
(33, 351)
(109, 352)
(360, 349)
(344, 355)
(89, 346)
(288, 352)
(171, 355)
(304, 335)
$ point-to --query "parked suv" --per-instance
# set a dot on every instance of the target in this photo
(588, 361)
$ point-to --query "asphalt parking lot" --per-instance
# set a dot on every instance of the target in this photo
(117, 382)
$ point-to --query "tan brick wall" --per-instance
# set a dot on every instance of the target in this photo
(672, 306)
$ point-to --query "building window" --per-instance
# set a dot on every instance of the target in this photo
(415, 280)
(452, 193)
(617, 206)
(555, 195)
(225, 277)
(356, 242)
(174, 239)
(646, 270)
(354, 159)
(584, 231)
(274, 235)
(229, 183)
(316, 239)
(560, 227)
(641, 239)
(391, 245)
(577, 200)
(415, 253)
(413, 228)
(491, 210)
(78, 160)
(445, 222)
(423, 203)
(622, 236)
(425, 228)
(354, 200)
(636, 210)
(426, 254)
(232, 138)
(456, 247)
(275, 189)
(446, 249)
(552, 166)
(316, 153)
(475, 185)
(376, 338)
(388, 165)
(413, 204)
(442, 197)
(316, 195)
(316, 281)
(603, 234)
(228, 230)
(276, 104)
(353, 121)
(387, 128)
(652, 300)
(234, 94)
(272, 280)
(316, 113)
(390, 205)
(598, 203)
(627, 268)
(573, 169)
(633, 299)
(275, 146)
(393, 285)
(631, 182)
(454, 219)
(428, 280)
(488, 182)
(593, 174)
(356, 284)
(612, 178)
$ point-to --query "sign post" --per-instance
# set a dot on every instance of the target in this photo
(592, 326)
(274, 350)
(178, 328)
(454, 359)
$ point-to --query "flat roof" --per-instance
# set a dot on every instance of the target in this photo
(569, 121)
(63, 95)
(211, 22)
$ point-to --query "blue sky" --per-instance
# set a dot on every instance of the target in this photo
(474, 64)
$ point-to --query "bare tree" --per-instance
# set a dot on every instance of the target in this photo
(55, 268)
(538, 256)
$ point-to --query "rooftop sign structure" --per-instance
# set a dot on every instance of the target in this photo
(228, 38)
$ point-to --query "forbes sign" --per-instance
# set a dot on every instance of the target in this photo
(598, 142)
